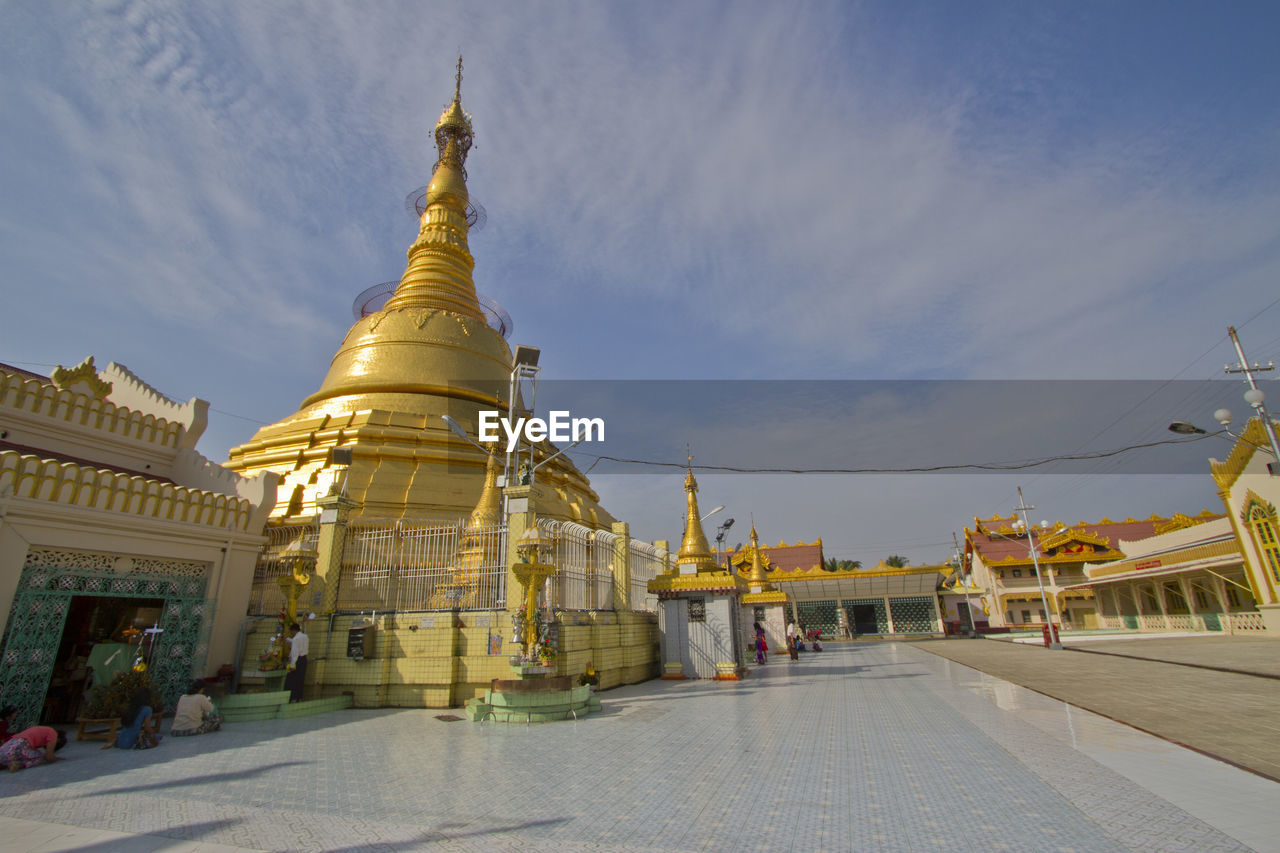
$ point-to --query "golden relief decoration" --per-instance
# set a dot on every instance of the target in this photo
(1180, 521)
(880, 570)
(1252, 438)
(1252, 501)
(83, 379)
(720, 581)
(1075, 541)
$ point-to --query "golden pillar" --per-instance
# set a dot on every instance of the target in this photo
(622, 567)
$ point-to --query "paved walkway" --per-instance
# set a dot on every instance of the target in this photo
(1229, 715)
(864, 747)
(1251, 655)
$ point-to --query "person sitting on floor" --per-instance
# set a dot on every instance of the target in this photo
(195, 714)
(137, 731)
(32, 747)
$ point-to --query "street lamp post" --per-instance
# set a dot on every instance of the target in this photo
(1054, 641)
(1255, 397)
(720, 534)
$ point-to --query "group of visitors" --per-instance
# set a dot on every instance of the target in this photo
(195, 715)
(796, 640)
(139, 728)
(139, 723)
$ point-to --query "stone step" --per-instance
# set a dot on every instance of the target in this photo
(244, 701)
(314, 706)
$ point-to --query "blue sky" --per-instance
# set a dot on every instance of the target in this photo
(675, 190)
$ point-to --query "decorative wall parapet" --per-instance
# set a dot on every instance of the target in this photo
(195, 471)
(129, 391)
(24, 476)
(34, 398)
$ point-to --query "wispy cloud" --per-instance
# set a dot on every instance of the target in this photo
(734, 190)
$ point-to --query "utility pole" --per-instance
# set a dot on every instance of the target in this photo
(1054, 641)
(965, 574)
(1255, 397)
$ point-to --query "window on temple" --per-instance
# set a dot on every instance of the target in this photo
(1202, 600)
(1177, 601)
(1150, 604)
(1263, 521)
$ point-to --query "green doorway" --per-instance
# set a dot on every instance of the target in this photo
(48, 595)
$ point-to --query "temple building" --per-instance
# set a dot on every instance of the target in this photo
(881, 601)
(120, 545)
(1248, 482)
(393, 537)
(1188, 579)
(699, 601)
(999, 557)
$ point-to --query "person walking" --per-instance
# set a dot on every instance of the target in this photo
(299, 645)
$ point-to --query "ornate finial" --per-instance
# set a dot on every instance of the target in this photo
(694, 548)
(453, 131)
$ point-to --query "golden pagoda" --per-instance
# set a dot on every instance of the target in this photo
(428, 352)
(695, 565)
(700, 601)
(757, 577)
(695, 552)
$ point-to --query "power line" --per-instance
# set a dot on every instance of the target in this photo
(973, 466)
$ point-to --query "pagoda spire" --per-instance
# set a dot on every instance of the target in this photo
(757, 575)
(438, 274)
(694, 548)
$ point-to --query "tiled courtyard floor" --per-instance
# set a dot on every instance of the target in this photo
(862, 747)
(1227, 714)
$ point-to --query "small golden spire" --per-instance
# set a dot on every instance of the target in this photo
(439, 271)
(757, 576)
(694, 548)
(488, 509)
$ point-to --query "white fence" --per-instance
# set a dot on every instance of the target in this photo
(406, 567)
(585, 559)
(1244, 622)
(647, 562)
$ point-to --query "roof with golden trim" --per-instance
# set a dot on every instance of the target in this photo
(1092, 541)
(782, 557)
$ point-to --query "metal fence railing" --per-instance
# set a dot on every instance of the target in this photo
(647, 562)
(406, 567)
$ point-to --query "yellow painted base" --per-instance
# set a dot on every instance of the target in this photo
(449, 663)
